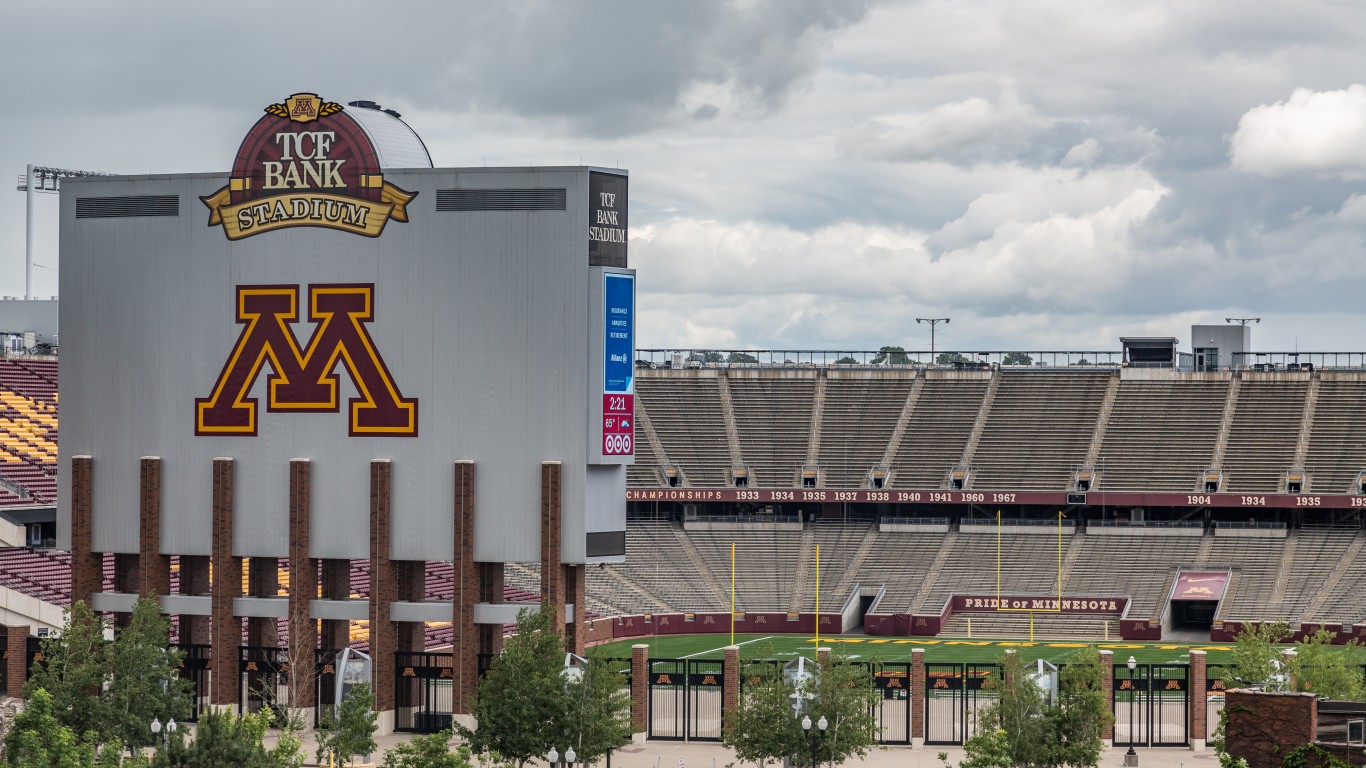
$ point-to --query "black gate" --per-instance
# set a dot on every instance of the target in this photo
(893, 710)
(263, 682)
(955, 694)
(1218, 679)
(1152, 705)
(194, 666)
(424, 692)
(685, 699)
(324, 681)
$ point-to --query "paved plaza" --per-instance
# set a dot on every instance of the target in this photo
(677, 754)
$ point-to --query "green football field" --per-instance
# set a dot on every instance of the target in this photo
(937, 650)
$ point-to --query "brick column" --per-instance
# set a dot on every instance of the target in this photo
(1107, 687)
(464, 635)
(640, 686)
(1199, 725)
(154, 568)
(730, 681)
(303, 580)
(227, 585)
(576, 594)
(383, 589)
(16, 660)
(87, 566)
(125, 580)
(490, 591)
(336, 633)
(412, 587)
(194, 580)
(263, 579)
(917, 697)
(552, 575)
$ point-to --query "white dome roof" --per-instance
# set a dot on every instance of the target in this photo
(396, 143)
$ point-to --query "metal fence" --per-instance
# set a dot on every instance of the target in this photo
(955, 695)
(685, 699)
(424, 692)
(1152, 705)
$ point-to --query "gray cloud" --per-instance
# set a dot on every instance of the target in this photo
(804, 173)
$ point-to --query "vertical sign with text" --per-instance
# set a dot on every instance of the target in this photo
(607, 210)
(618, 381)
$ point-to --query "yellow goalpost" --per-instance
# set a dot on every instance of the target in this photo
(1030, 606)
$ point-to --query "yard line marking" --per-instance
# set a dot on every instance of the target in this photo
(722, 648)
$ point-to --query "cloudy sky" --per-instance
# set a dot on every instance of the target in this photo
(806, 174)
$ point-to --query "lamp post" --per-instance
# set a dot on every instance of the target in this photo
(554, 757)
(821, 725)
(165, 732)
(933, 321)
(1131, 757)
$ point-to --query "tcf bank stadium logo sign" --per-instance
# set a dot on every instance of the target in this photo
(305, 380)
(306, 163)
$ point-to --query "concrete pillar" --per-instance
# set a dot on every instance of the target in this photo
(87, 566)
(383, 591)
(1199, 725)
(640, 687)
(227, 586)
(465, 635)
(303, 587)
(1107, 686)
(917, 697)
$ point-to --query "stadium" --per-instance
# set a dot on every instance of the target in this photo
(1145, 498)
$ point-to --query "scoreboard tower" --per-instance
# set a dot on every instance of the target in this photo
(337, 352)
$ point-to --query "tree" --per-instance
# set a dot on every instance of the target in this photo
(1017, 358)
(765, 725)
(429, 751)
(37, 739)
(521, 701)
(143, 678)
(599, 709)
(949, 358)
(846, 360)
(1029, 731)
(351, 731)
(891, 356)
(1081, 714)
(741, 357)
(73, 671)
(1332, 671)
(1256, 652)
(221, 738)
(113, 688)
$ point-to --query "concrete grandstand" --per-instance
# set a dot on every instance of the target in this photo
(779, 459)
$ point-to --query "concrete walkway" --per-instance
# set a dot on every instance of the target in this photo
(675, 754)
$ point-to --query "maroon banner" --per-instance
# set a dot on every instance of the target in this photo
(1200, 585)
(1024, 498)
(1012, 603)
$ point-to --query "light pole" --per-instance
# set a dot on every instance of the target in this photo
(821, 725)
(1131, 757)
(40, 179)
(933, 321)
(554, 757)
(165, 733)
